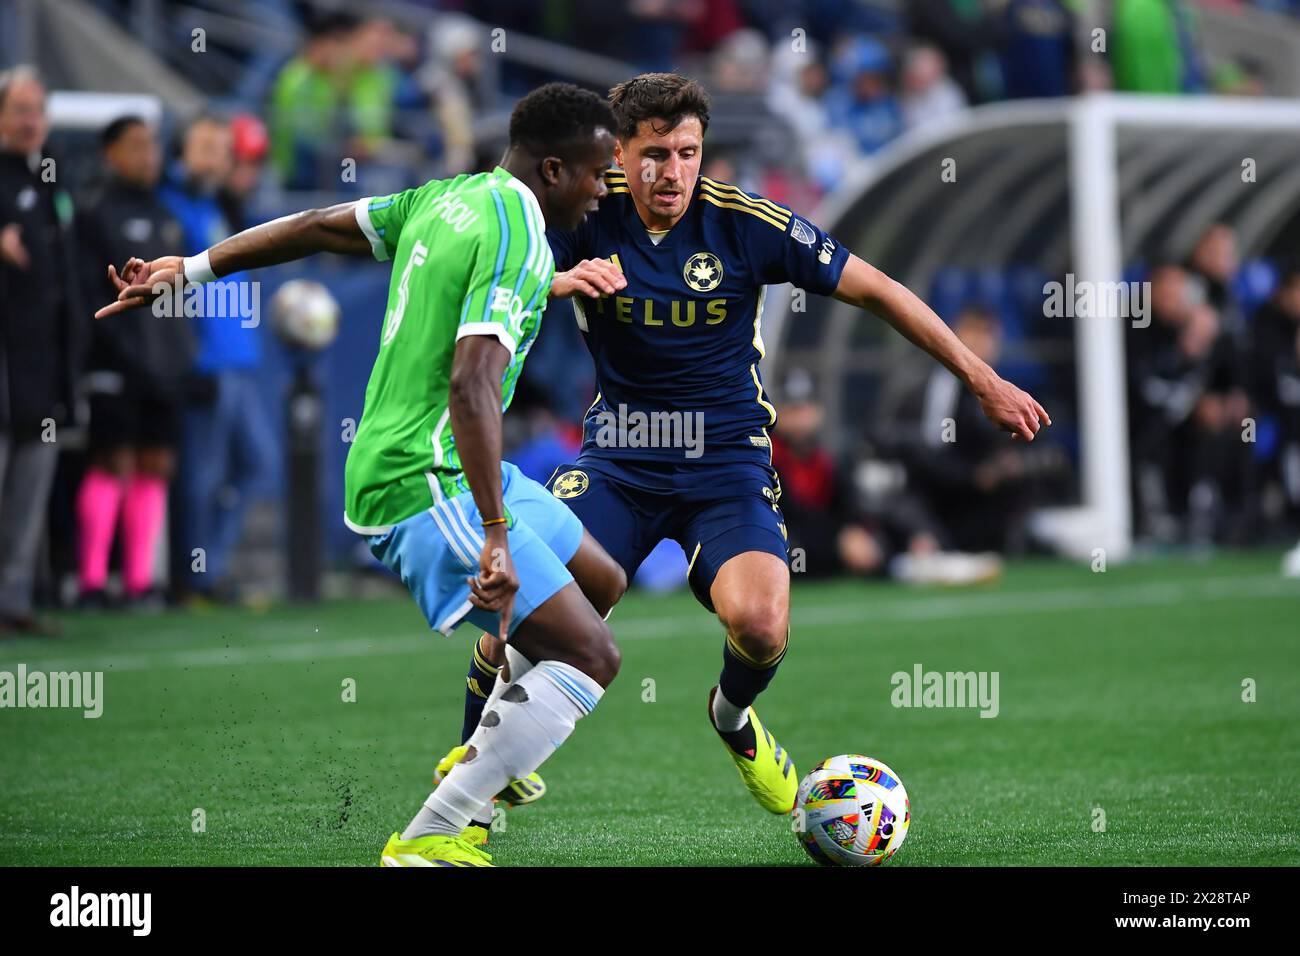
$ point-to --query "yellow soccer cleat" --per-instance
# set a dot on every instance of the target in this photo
(475, 835)
(447, 762)
(433, 851)
(767, 770)
(527, 789)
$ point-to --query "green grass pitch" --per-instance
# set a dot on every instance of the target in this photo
(1119, 690)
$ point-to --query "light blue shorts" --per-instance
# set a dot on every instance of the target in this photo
(434, 551)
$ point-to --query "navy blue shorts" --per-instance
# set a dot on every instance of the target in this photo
(714, 512)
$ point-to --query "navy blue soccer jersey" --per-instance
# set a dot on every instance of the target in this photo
(685, 334)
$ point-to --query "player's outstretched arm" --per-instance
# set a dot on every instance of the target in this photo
(474, 405)
(333, 229)
(1007, 406)
(590, 277)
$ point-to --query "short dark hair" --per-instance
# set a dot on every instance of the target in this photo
(116, 129)
(555, 118)
(670, 97)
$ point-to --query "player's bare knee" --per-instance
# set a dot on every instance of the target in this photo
(601, 656)
(610, 590)
(760, 632)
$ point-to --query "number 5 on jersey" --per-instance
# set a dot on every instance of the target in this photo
(419, 253)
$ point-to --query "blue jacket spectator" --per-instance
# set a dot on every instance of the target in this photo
(228, 446)
(224, 342)
(862, 101)
(1038, 58)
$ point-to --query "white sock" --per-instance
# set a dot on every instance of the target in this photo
(524, 726)
(428, 823)
(727, 717)
(518, 667)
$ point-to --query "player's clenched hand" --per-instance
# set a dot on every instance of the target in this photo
(138, 280)
(494, 588)
(590, 277)
(1012, 409)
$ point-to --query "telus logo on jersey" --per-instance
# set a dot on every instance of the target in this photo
(702, 272)
(679, 312)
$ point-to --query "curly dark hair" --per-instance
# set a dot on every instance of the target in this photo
(557, 118)
(670, 97)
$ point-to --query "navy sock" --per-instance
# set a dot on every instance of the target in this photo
(478, 685)
(743, 678)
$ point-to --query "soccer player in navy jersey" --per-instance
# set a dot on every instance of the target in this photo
(667, 281)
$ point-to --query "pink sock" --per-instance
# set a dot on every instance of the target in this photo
(142, 517)
(98, 499)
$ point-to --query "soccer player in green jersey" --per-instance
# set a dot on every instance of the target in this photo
(471, 537)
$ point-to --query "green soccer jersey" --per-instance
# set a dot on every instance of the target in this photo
(470, 257)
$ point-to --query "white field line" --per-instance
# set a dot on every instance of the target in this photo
(308, 651)
(914, 608)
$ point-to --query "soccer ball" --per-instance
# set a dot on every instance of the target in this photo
(1291, 563)
(851, 810)
(304, 314)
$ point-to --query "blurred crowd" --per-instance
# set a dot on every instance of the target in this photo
(1213, 396)
(414, 96)
(170, 406)
(1214, 401)
(178, 442)
(352, 90)
(404, 103)
(850, 77)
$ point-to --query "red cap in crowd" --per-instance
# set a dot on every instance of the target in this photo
(249, 136)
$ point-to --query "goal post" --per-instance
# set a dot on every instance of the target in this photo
(1113, 170)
